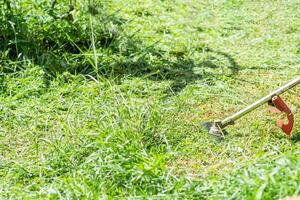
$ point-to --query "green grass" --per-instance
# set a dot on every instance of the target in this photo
(131, 129)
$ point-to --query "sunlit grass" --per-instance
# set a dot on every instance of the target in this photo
(133, 129)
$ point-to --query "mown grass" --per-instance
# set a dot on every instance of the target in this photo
(131, 129)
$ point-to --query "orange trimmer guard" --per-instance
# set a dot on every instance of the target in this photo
(278, 103)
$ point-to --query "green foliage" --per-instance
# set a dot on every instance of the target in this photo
(104, 99)
(52, 36)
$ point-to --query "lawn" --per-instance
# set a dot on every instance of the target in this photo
(110, 104)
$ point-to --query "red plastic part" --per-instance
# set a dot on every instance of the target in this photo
(281, 105)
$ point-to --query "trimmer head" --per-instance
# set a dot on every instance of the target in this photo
(213, 128)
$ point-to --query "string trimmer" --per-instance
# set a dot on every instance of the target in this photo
(216, 128)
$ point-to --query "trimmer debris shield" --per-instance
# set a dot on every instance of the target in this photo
(278, 103)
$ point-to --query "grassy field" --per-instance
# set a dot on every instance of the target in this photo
(110, 104)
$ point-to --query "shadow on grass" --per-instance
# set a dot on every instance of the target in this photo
(67, 47)
(296, 137)
(2, 83)
(183, 71)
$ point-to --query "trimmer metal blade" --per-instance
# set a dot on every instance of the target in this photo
(213, 128)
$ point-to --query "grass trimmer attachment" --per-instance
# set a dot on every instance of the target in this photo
(216, 128)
